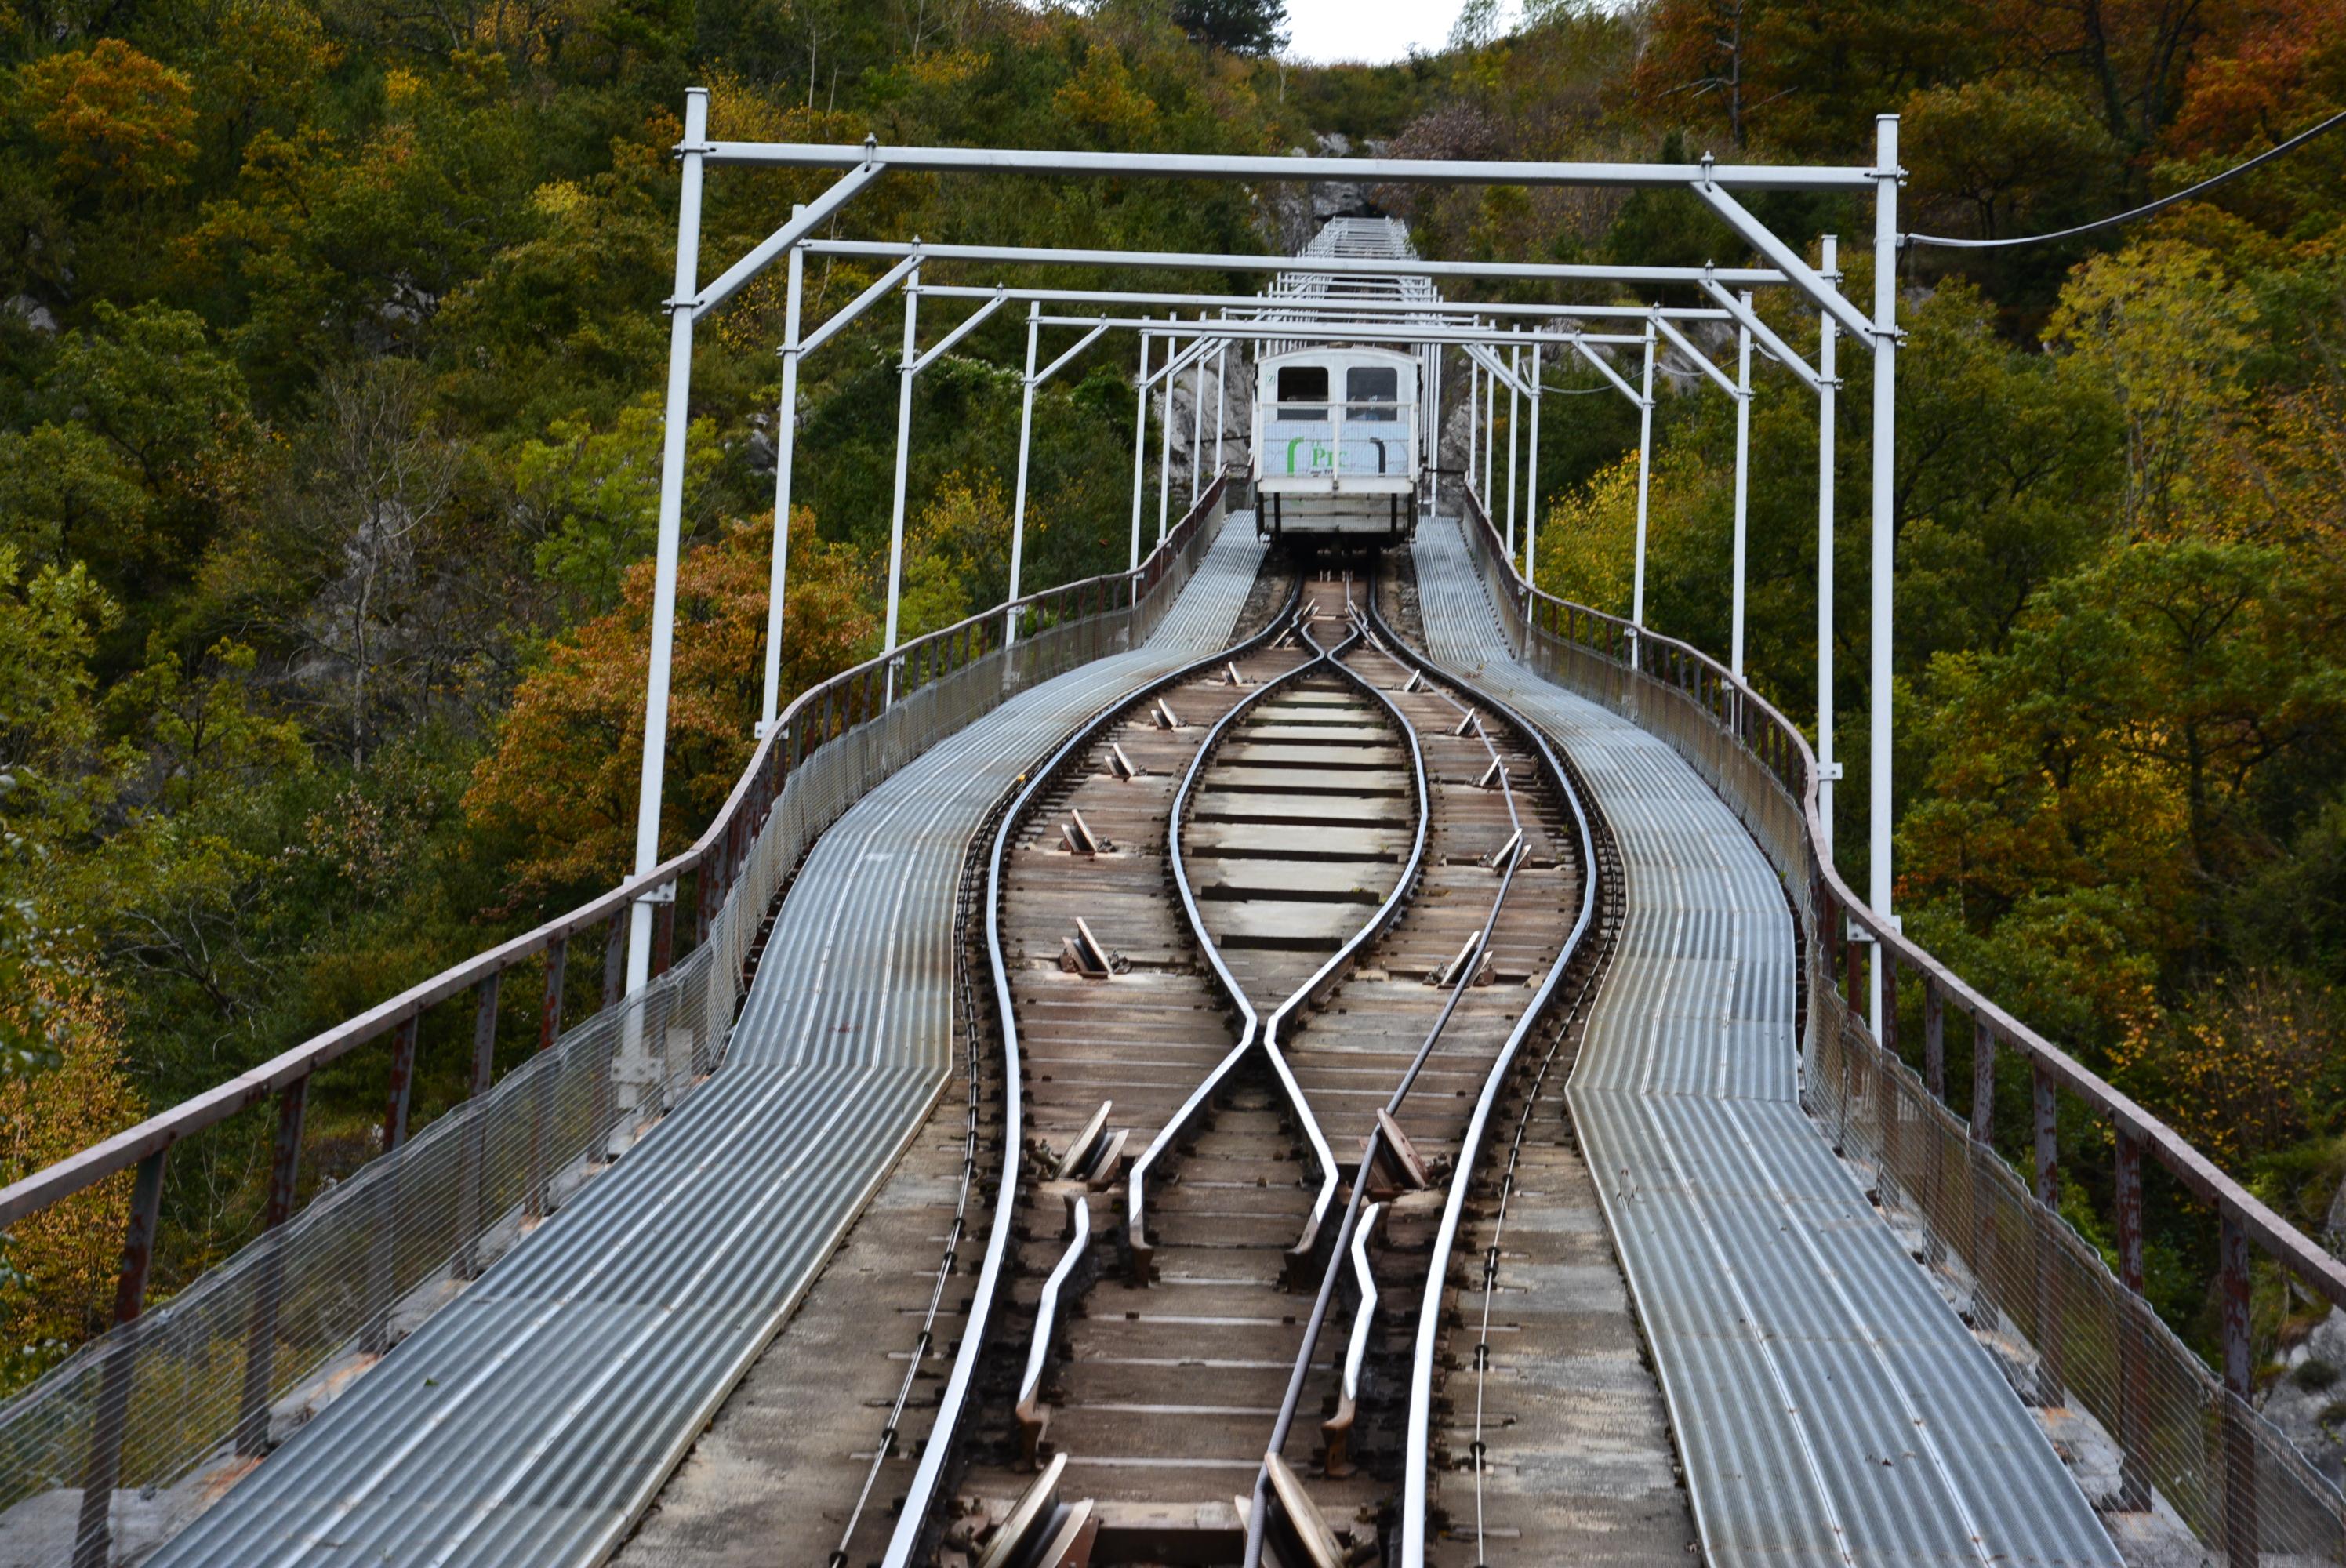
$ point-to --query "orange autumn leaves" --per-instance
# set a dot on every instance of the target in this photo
(560, 787)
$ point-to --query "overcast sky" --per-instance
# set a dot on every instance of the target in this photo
(1372, 30)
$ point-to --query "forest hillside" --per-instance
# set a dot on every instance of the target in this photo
(331, 369)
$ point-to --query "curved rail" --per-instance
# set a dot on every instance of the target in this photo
(1258, 1512)
(913, 1521)
(1419, 1441)
(1253, 1027)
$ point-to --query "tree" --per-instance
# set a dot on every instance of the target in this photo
(2004, 150)
(561, 784)
(380, 474)
(120, 120)
(2163, 328)
(57, 1282)
(1240, 26)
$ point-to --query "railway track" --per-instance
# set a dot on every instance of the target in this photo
(1284, 918)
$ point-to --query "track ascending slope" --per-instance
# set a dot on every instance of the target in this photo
(531, 1419)
(1829, 1405)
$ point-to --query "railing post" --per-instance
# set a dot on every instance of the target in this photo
(549, 1030)
(1935, 1040)
(469, 1178)
(382, 1264)
(402, 1082)
(1984, 1185)
(664, 935)
(2240, 1523)
(93, 1539)
(2044, 1116)
(260, 1337)
(2134, 1370)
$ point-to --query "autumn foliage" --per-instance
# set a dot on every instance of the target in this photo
(562, 782)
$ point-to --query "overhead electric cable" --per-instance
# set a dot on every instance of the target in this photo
(2144, 211)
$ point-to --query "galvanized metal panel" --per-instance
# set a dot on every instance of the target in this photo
(1829, 1406)
(528, 1422)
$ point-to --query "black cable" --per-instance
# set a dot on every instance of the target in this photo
(2186, 193)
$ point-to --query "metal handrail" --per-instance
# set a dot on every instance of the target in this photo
(1779, 746)
(715, 851)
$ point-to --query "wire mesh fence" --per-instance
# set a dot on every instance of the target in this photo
(2061, 1325)
(183, 1397)
(2066, 1331)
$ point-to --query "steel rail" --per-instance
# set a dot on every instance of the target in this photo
(914, 1518)
(1419, 1441)
(1259, 1514)
(791, 740)
(1253, 1028)
(1330, 1171)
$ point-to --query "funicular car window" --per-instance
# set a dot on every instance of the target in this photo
(1371, 385)
(1304, 392)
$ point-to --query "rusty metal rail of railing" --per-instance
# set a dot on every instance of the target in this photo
(162, 1391)
(2189, 1433)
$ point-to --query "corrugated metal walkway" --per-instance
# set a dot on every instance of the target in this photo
(528, 1421)
(1831, 1407)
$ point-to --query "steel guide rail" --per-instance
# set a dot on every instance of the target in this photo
(1373, 629)
(1252, 1028)
(917, 1511)
(965, 985)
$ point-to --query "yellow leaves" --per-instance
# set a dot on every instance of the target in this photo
(1104, 100)
(1587, 541)
(2161, 325)
(116, 116)
(558, 198)
(401, 88)
(948, 68)
(61, 1260)
(2234, 1068)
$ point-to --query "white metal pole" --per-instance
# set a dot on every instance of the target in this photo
(1474, 416)
(1490, 433)
(1197, 427)
(1742, 485)
(671, 524)
(1165, 447)
(1514, 400)
(1531, 480)
(1434, 437)
(1139, 447)
(904, 458)
(1885, 419)
(1018, 505)
(786, 443)
(1222, 401)
(1826, 334)
(1645, 470)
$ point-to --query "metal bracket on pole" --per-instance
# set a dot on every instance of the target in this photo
(975, 319)
(1085, 342)
(1775, 347)
(1702, 362)
(861, 303)
(1786, 260)
(800, 225)
(1610, 374)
